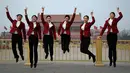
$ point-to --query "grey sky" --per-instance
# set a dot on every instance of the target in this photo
(101, 9)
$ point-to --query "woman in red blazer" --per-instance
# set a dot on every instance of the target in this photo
(17, 31)
(85, 36)
(64, 31)
(111, 25)
(34, 33)
(49, 33)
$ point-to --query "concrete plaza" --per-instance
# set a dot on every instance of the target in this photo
(63, 67)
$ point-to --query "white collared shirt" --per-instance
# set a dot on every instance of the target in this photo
(34, 26)
(64, 26)
(17, 25)
(110, 22)
(50, 24)
(83, 26)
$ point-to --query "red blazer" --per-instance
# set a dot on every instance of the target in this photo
(21, 29)
(51, 30)
(68, 25)
(86, 32)
(113, 26)
(37, 30)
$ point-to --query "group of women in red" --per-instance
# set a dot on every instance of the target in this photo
(34, 34)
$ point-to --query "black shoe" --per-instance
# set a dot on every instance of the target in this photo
(68, 50)
(51, 58)
(89, 57)
(110, 64)
(94, 59)
(114, 64)
(17, 59)
(46, 56)
(64, 51)
(31, 65)
(35, 65)
(22, 58)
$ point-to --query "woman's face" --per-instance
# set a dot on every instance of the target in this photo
(112, 15)
(66, 18)
(19, 18)
(86, 19)
(34, 19)
(48, 19)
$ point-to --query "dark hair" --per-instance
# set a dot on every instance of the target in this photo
(48, 16)
(86, 16)
(19, 15)
(67, 16)
(35, 16)
(113, 13)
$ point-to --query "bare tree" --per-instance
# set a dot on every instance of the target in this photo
(124, 35)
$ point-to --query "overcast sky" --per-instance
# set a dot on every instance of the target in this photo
(101, 9)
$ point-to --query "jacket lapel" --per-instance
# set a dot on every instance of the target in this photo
(15, 25)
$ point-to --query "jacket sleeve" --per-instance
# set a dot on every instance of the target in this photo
(81, 32)
(59, 29)
(54, 32)
(72, 19)
(104, 28)
(120, 16)
(39, 31)
(26, 17)
(24, 32)
(42, 18)
(9, 17)
(93, 20)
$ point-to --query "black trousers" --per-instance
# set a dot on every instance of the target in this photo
(65, 41)
(33, 44)
(84, 45)
(112, 41)
(48, 44)
(17, 39)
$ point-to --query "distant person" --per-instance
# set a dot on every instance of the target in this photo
(34, 34)
(111, 25)
(85, 34)
(49, 33)
(64, 31)
(17, 30)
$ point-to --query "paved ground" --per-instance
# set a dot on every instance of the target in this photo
(63, 67)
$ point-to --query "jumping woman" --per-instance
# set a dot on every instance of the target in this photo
(18, 31)
(34, 34)
(111, 25)
(85, 36)
(64, 31)
(49, 33)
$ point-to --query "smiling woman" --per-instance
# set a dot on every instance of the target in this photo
(112, 37)
(18, 33)
(34, 34)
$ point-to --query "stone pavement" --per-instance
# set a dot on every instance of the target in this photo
(63, 67)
